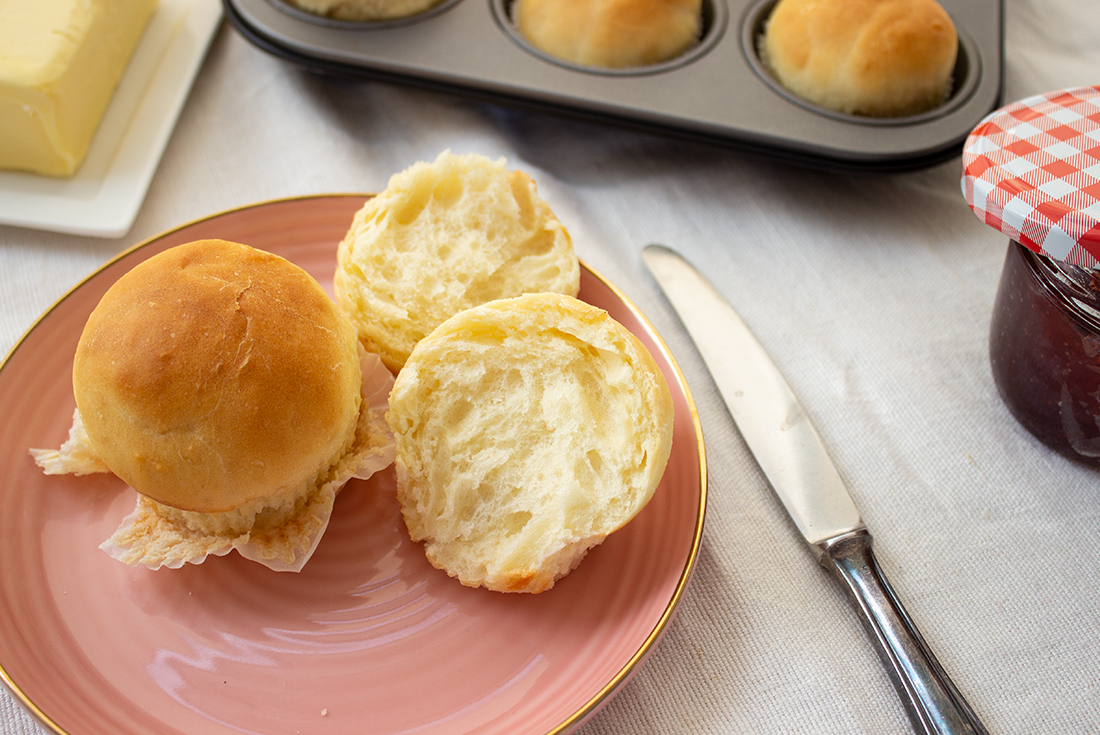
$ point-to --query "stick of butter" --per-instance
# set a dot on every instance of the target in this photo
(60, 61)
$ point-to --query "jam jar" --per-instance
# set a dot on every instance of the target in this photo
(1032, 170)
(1044, 350)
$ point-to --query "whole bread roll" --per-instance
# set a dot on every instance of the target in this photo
(441, 238)
(224, 385)
(213, 375)
(878, 58)
(365, 10)
(527, 430)
(611, 33)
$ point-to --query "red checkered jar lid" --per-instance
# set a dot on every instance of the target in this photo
(1032, 170)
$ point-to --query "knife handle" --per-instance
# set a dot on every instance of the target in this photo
(932, 701)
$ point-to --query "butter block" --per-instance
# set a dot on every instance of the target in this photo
(60, 61)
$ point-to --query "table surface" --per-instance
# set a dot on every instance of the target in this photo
(873, 294)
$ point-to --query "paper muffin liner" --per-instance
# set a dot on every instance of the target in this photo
(156, 536)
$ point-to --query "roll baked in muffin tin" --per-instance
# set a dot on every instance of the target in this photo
(717, 91)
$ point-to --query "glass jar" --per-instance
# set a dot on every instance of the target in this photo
(1030, 171)
(1044, 349)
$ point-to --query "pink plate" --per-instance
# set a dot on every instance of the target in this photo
(369, 637)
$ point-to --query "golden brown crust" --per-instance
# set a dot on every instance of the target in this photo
(214, 375)
(611, 33)
(882, 58)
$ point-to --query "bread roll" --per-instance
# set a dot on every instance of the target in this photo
(365, 10)
(527, 430)
(213, 375)
(225, 386)
(444, 237)
(611, 33)
(879, 58)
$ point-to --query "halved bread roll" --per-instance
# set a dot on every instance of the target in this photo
(527, 430)
(441, 238)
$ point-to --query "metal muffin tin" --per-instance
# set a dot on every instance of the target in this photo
(718, 91)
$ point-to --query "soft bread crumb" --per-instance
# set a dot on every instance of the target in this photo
(444, 237)
(527, 430)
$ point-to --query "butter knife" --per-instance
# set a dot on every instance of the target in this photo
(790, 452)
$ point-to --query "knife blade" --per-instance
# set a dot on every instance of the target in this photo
(794, 460)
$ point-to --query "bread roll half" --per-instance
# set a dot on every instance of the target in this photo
(527, 430)
(878, 58)
(443, 237)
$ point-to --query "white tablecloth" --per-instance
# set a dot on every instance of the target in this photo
(873, 294)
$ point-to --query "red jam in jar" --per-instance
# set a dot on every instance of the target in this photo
(1032, 171)
(1044, 349)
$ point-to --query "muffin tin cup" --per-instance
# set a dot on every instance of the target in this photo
(353, 25)
(712, 27)
(718, 91)
(965, 76)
